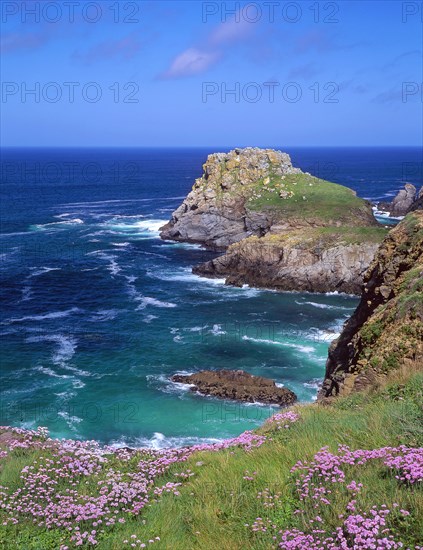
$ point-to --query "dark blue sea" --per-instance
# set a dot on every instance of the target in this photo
(98, 311)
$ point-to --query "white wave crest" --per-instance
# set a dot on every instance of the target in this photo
(55, 225)
(299, 347)
(43, 316)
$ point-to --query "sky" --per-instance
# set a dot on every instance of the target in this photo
(192, 73)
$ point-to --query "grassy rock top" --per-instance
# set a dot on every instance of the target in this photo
(303, 195)
(255, 191)
(267, 181)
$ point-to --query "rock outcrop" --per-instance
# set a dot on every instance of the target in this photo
(237, 385)
(407, 200)
(386, 330)
(271, 219)
(255, 191)
(312, 260)
(418, 203)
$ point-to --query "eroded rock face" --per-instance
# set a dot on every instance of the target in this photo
(418, 203)
(404, 200)
(386, 330)
(293, 264)
(407, 200)
(214, 213)
(237, 385)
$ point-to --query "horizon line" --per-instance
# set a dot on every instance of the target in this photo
(201, 146)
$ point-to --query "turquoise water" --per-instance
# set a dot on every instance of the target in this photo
(98, 311)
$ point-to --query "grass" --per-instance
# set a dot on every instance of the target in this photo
(324, 236)
(308, 197)
(216, 503)
(213, 508)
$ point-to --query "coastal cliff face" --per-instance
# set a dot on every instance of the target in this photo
(215, 212)
(281, 228)
(313, 260)
(386, 330)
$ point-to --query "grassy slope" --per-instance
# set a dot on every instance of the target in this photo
(216, 503)
(223, 502)
(308, 197)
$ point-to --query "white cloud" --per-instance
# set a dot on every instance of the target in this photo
(190, 62)
(197, 60)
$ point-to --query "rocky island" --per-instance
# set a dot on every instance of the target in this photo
(237, 385)
(278, 227)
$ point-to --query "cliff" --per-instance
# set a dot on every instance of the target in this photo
(312, 259)
(386, 330)
(285, 229)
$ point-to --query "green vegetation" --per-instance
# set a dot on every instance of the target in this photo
(324, 236)
(394, 332)
(308, 197)
(213, 510)
(230, 489)
(371, 331)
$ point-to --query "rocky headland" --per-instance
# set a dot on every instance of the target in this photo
(386, 330)
(237, 385)
(278, 227)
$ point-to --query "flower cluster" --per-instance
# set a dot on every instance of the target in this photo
(122, 482)
(269, 500)
(319, 479)
(134, 541)
(284, 420)
(364, 531)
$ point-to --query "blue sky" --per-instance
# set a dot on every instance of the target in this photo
(161, 73)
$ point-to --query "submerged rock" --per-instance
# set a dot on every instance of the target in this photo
(237, 385)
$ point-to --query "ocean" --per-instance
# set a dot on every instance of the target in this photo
(97, 311)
